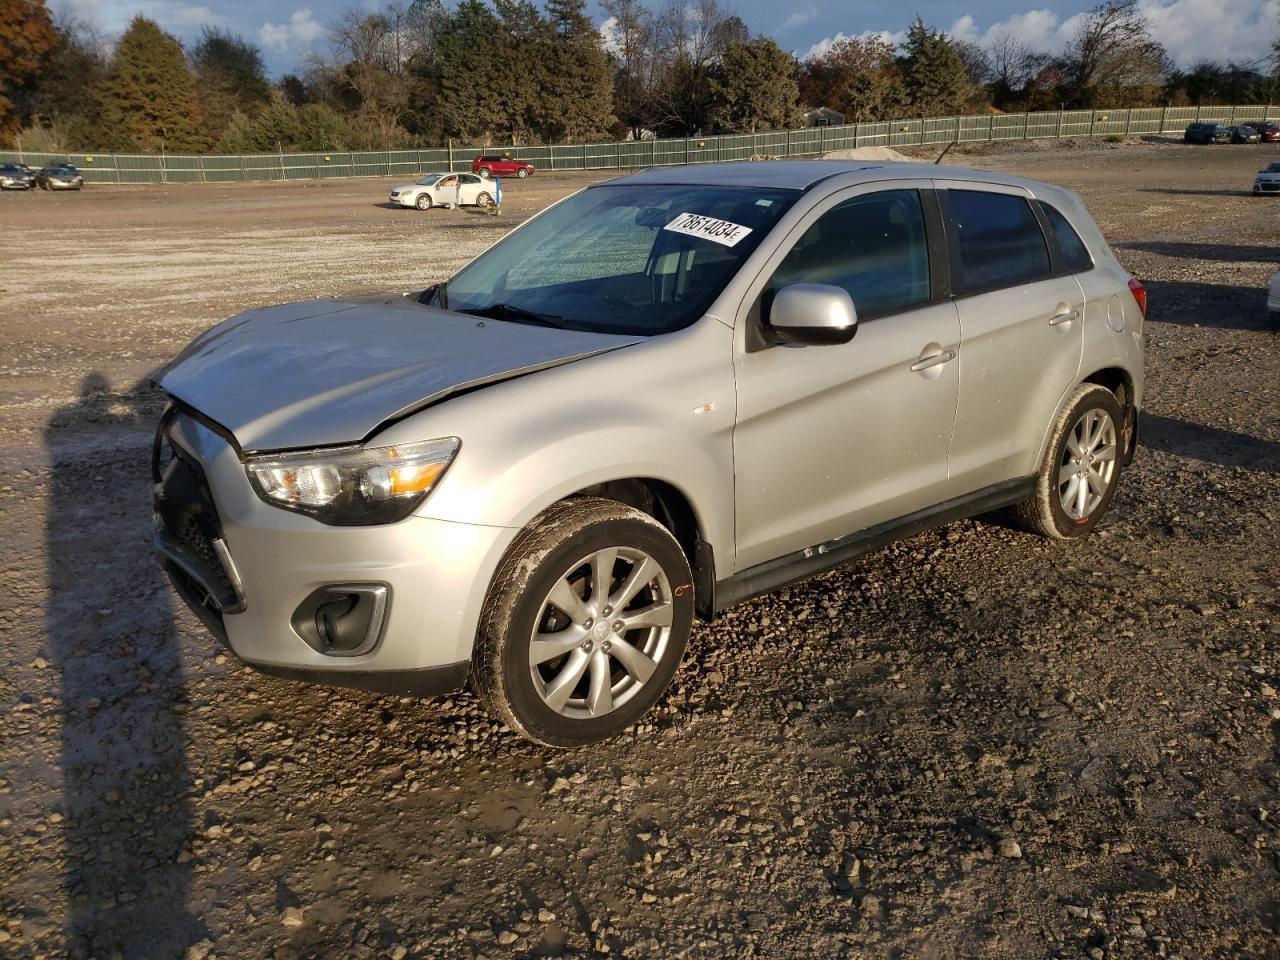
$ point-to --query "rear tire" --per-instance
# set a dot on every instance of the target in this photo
(485, 172)
(570, 677)
(483, 200)
(1081, 467)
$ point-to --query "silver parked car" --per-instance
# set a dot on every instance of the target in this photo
(444, 189)
(662, 395)
(1267, 180)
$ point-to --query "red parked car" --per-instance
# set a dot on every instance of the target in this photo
(1269, 132)
(492, 165)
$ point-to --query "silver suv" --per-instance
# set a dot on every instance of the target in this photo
(645, 404)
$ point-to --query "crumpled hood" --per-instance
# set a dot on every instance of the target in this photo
(328, 372)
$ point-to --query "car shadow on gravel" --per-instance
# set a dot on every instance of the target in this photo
(1212, 444)
(1224, 306)
(1223, 252)
(1182, 191)
(126, 821)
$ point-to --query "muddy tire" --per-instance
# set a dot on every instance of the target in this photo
(1081, 467)
(585, 623)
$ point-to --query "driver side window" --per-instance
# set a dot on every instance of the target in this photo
(873, 246)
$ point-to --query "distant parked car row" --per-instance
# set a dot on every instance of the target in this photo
(56, 176)
(1251, 131)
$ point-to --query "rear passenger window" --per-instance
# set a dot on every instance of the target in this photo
(999, 241)
(1074, 252)
(873, 246)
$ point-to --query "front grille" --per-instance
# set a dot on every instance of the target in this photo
(1271, 185)
(188, 531)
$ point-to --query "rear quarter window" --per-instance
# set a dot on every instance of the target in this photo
(1074, 253)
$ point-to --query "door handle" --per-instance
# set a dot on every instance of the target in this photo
(1067, 317)
(937, 360)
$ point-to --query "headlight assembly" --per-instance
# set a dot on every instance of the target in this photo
(353, 486)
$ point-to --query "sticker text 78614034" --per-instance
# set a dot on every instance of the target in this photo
(708, 228)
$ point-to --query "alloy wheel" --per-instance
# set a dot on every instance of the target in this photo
(601, 632)
(1088, 463)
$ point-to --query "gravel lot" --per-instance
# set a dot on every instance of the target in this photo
(972, 744)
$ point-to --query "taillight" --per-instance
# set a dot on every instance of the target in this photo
(1140, 294)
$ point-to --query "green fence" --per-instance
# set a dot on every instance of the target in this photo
(809, 142)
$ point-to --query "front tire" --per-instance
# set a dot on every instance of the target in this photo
(423, 202)
(585, 623)
(1081, 467)
(522, 172)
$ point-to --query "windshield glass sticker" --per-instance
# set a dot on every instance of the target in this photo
(708, 228)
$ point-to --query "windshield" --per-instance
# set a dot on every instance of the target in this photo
(428, 180)
(622, 258)
(1272, 168)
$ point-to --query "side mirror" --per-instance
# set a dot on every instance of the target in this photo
(813, 313)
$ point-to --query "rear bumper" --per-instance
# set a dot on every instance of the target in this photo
(253, 592)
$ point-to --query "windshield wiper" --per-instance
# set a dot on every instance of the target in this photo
(508, 311)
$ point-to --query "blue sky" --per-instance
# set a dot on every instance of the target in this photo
(289, 30)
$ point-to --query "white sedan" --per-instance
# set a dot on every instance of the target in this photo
(444, 189)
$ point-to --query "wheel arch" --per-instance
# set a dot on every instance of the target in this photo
(1120, 382)
(674, 509)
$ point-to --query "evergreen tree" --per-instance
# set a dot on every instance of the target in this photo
(282, 125)
(933, 72)
(576, 99)
(149, 99)
(520, 71)
(754, 87)
(229, 77)
(469, 52)
(27, 40)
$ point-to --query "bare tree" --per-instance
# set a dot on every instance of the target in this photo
(1112, 54)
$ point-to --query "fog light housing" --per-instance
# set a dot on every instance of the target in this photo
(343, 619)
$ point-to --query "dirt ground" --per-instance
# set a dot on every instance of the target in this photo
(972, 744)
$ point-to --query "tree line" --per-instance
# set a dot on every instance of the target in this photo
(509, 71)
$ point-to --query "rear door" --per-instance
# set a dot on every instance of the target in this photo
(1021, 330)
(471, 186)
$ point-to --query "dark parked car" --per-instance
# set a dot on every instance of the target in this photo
(493, 165)
(1268, 132)
(1244, 134)
(60, 176)
(16, 176)
(1207, 133)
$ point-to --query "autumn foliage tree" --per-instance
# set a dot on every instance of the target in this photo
(27, 39)
(149, 98)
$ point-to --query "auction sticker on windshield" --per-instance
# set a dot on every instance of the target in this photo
(708, 228)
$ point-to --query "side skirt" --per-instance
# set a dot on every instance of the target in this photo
(774, 574)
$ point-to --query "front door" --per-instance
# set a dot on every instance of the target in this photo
(831, 440)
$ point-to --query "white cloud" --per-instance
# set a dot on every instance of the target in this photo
(1190, 30)
(825, 44)
(611, 36)
(798, 18)
(296, 36)
(114, 16)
